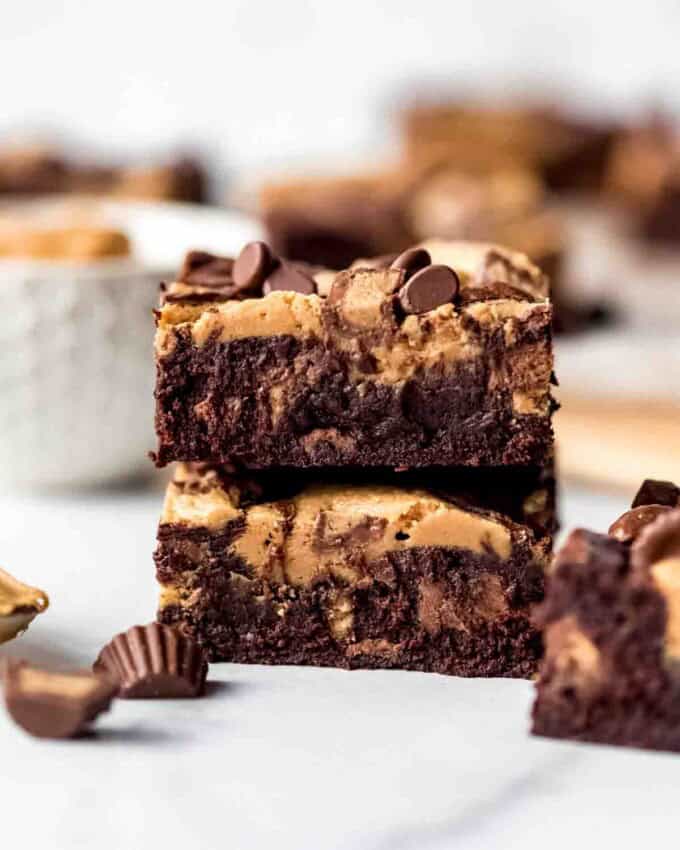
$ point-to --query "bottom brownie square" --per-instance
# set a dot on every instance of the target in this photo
(374, 574)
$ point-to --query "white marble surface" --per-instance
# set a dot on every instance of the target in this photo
(291, 758)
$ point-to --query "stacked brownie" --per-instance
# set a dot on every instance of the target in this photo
(365, 458)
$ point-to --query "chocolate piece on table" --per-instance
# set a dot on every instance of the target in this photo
(54, 705)
(154, 662)
(341, 378)
(19, 605)
(372, 574)
(654, 492)
(611, 621)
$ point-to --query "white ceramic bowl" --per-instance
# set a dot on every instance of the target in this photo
(76, 369)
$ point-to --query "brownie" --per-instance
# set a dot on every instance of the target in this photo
(279, 569)
(330, 221)
(392, 362)
(568, 153)
(42, 171)
(611, 621)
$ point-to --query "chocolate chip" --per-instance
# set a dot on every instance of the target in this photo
(287, 277)
(657, 541)
(154, 662)
(252, 265)
(429, 288)
(203, 269)
(629, 525)
(411, 261)
(653, 492)
(54, 705)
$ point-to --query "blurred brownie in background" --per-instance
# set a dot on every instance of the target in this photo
(35, 170)
(330, 221)
(567, 153)
(644, 174)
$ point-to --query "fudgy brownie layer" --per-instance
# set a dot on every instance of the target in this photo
(214, 404)
(238, 618)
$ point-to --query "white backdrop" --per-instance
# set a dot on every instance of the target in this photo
(257, 81)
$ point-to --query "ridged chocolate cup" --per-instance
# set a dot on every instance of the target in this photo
(154, 662)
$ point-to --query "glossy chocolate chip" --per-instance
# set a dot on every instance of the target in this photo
(287, 277)
(411, 261)
(203, 269)
(429, 288)
(654, 492)
(629, 525)
(252, 265)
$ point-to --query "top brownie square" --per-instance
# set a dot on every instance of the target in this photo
(440, 356)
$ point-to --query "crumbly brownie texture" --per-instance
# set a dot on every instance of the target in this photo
(349, 576)
(448, 363)
(40, 171)
(611, 672)
(19, 605)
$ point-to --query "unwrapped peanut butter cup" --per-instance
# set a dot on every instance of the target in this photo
(154, 662)
(54, 705)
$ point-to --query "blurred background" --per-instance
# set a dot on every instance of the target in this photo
(132, 133)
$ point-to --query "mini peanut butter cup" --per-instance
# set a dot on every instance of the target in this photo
(629, 525)
(54, 705)
(657, 541)
(154, 662)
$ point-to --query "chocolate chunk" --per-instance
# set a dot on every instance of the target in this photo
(203, 269)
(288, 277)
(54, 705)
(657, 541)
(412, 261)
(429, 288)
(629, 525)
(154, 662)
(653, 492)
(252, 265)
